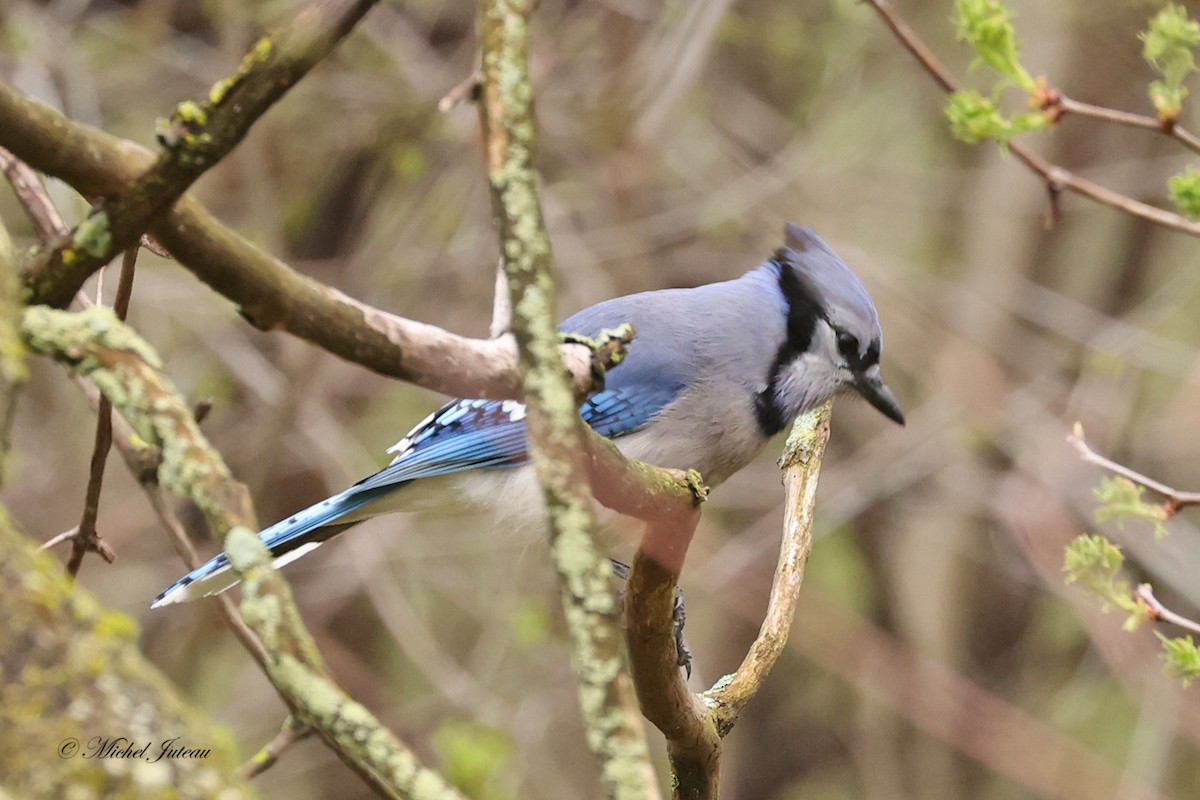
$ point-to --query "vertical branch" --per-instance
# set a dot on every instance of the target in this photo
(695, 724)
(12, 365)
(87, 538)
(801, 463)
(606, 693)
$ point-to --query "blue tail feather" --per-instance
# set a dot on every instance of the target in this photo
(312, 526)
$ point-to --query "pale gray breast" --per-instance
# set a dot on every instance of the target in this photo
(710, 427)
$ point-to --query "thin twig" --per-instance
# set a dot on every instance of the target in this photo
(1175, 498)
(1056, 178)
(1158, 611)
(34, 199)
(467, 89)
(183, 545)
(86, 538)
(150, 243)
(290, 732)
(1129, 119)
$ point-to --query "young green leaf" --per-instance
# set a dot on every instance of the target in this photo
(1182, 657)
(974, 118)
(1121, 500)
(1094, 563)
(987, 26)
(1167, 43)
(1184, 189)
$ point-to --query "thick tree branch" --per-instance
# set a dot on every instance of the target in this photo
(1056, 178)
(95, 344)
(197, 137)
(74, 675)
(270, 294)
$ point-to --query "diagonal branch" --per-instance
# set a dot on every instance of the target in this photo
(1056, 178)
(96, 344)
(1176, 499)
(1128, 119)
(29, 190)
(269, 293)
(197, 136)
(1157, 611)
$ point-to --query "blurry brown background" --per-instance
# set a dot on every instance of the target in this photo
(937, 654)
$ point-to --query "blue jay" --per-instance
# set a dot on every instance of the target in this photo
(712, 374)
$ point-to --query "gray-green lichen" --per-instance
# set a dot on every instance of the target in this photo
(127, 370)
(73, 675)
(358, 733)
(802, 439)
(92, 235)
(12, 351)
(605, 692)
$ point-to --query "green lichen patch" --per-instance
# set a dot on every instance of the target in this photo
(92, 236)
(73, 677)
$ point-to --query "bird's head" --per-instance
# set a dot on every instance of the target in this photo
(833, 336)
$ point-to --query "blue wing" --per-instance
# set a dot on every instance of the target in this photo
(471, 434)
(490, 434)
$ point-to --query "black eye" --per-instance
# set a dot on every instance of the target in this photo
(847, 345)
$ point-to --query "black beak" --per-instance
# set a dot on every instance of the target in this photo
(870, 385)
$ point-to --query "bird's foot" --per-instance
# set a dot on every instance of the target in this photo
(683, 656)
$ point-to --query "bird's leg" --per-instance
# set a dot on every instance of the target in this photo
(683, 655)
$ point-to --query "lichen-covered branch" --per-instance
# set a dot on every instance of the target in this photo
(198, 135)
(12, 352)
(96, 344)
(298, 672)
(73, 677)
(556, 442)
(270, 294)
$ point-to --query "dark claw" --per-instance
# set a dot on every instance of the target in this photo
(683, 656)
